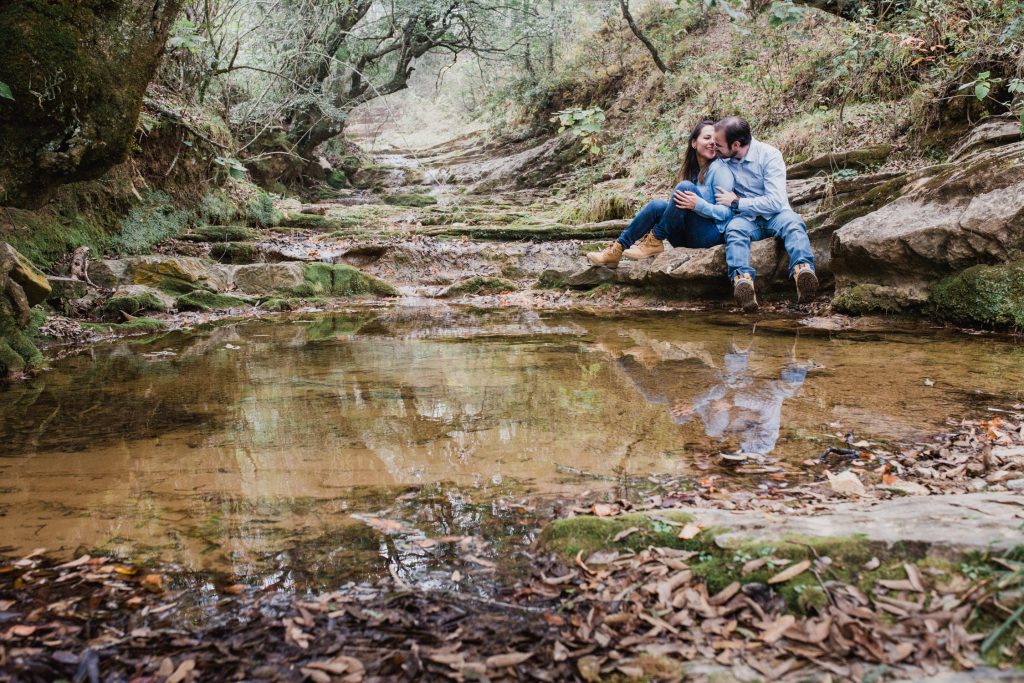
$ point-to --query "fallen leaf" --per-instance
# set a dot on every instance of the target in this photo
(590, 668)
(915, 578)
(604, 509)
(872, 564)
(603, 557)
(689, 531)
(182, 671)
(510, 659)
(625, 533)
(234, 589)
(456, 576)
(778, 628)
(790, 572)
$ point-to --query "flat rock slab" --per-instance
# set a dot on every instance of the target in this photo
(969, 520)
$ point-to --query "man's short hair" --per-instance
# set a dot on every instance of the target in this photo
(736, 129)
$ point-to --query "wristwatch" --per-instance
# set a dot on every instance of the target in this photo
(735, 206)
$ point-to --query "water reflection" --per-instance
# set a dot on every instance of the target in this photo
(259, 447)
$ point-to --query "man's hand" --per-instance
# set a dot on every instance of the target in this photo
(724, 197)
(684, 200)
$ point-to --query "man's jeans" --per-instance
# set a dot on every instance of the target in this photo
(682, 227)
(786, 225)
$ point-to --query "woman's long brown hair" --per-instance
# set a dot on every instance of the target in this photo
(691, 166)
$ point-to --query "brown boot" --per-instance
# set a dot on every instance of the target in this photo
(648, 246)
(743, 290)
(806, 282)
(608, 257)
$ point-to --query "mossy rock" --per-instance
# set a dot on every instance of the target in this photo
(338, 180)
(133, 303)
(173, 274)
(220, 233)
(285, 303)
(204, 300)
(480, 284)
(988, 296)
(18, 354)
(870, 298)
(143, 324)
(326, 279)
(239, 253)
(411, 199)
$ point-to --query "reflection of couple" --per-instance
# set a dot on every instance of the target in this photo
(743, 406)
(732, 192)
(740, 404)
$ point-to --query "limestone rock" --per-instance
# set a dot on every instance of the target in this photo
(30, 278)
(177, 274)
(948, 218)
(992, 132)
(268, 278)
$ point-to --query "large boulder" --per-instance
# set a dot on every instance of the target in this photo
(946, 218)
(77, 70)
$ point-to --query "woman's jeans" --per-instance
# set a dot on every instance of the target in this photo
(682, 227)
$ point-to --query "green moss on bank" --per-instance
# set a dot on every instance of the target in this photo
(720, 566)
(18, 354)
(204, 300)
(479, 284)
(220, 233)
(138, 325)
(411, 199)
(327, 279)
(132, 304)
(988, 296)
(869, 298)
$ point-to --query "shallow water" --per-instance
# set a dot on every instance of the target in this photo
(265, 449)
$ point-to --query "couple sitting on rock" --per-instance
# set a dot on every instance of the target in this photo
(733, 192)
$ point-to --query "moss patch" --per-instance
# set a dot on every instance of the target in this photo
(133, 304)
(479, 284)
(869, 298)
(220, 233)
(411, 199)
(18, 354)
(989, 296)
(204, 300)
(138, 325)
(326, 279)
(720, 566)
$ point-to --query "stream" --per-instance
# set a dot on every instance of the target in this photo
(314, 449)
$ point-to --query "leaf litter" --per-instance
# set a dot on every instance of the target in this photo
(633, 614)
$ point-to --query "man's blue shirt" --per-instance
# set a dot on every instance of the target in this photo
(760, 181)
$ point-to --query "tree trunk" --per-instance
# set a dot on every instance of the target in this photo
(624, 4)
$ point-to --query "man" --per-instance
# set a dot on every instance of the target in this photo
(761, 210)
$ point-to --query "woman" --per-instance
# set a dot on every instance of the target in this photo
(691, 219)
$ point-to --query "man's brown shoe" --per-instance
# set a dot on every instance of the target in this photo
(743, 290)
(608, 257)
(648, 246)
(806, 282)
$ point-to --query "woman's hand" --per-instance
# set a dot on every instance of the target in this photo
(684, 200)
